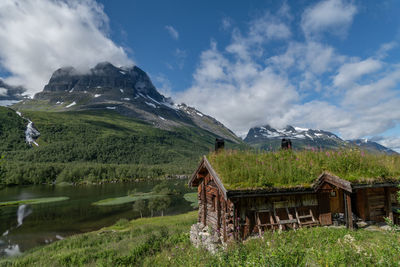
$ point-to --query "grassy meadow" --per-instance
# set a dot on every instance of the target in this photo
(286, 168)
(164, 241)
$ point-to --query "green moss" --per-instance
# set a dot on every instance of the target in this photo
(33, 201)
(283, 169)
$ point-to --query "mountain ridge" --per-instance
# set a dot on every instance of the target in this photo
(268, 138)
(127, 90)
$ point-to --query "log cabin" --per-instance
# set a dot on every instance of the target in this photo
(237, 211)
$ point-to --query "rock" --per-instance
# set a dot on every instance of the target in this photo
(203, 236)
(386, 227)
(361, 224)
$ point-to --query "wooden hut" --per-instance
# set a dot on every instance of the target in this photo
(239, 213)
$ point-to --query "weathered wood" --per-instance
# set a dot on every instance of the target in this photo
(349, 213)
(325, 215)
(388, 204)
(333, 180)
(204, 204)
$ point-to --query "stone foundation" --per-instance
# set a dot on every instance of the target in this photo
(205, 237)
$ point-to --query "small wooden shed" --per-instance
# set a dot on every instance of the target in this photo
(237, 214)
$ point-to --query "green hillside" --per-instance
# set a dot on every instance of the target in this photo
(12, 130)
(98, 145)
(164, 241)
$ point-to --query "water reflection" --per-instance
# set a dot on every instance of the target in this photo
(27, 226)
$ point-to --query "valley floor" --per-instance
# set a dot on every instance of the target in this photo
(164, 241)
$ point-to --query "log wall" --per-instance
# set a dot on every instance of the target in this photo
(247, 207)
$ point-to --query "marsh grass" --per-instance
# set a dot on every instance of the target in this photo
(33, 201)
(246, 169)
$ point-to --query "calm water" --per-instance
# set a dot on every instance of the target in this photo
(46, 223)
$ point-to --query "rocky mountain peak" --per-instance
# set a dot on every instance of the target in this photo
(104, 79)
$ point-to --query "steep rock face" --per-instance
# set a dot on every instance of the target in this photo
(126, 90)
(105, 78)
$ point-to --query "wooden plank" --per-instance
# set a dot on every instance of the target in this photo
(215, 176)
(388, 204)
(204, 203)
(325, 215)
(349, 213)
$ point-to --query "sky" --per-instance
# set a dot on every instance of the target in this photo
(332, 64)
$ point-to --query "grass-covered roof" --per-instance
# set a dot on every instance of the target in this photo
(289, 169)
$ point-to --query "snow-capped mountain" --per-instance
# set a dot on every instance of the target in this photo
(371, 146)
(126, 90)
(268, 138)
(311, 136)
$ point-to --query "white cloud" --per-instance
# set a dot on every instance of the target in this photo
(226, 23)
(333, 16)
(307, 84)
(39, 36)
(172, 31)
(3, 91)
(385, 48)
(163, 85)
(392, 142)
(352, 71)
(240, 94)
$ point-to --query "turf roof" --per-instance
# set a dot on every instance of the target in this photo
(300, 169)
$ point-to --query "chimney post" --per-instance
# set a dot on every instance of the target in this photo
(219, 144)
(286, 144)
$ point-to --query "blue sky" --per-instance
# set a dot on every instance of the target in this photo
(332, 64)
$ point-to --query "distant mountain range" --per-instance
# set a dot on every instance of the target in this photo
(268, 138)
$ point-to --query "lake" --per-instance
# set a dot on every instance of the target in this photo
(41, 224)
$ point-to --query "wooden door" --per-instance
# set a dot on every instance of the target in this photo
(325, 215)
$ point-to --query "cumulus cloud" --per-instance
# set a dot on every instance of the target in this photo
(350, 72)
(172, 32)
(40, 36)
(240, 94)
(305, 83)
(333, 16)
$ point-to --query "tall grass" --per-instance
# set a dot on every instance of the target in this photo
(245, 169)
(164, 241)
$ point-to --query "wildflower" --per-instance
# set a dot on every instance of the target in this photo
(362, 154)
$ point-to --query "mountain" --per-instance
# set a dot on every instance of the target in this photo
(127, 90)
(10, 94)
(268, 138)
(106, 124)
(371, 146)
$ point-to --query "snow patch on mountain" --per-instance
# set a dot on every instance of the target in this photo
(72, 104)
(150, 104)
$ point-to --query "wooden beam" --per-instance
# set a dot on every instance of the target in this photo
(217, 180)
(203, 184)
(388, 204)
(348, 211)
